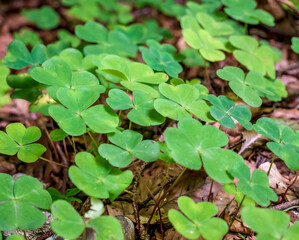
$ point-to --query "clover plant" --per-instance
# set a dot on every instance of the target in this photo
(28, 37)
(19, 203)
(285, 141)
(19, 140)
(245, 11)
(254, 57)
(112, 114)
(197, 220)
(44, 17)
(128, 144)
(270, 224)
(113, 42)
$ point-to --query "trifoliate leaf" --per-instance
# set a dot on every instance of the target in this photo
(197, 220)
(295, 44)
(66, 223)
(224, 109)
(20, 140)
(97, 178)
(128, 144)
(19, 201)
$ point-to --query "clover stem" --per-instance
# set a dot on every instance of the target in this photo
(220, 126)
(237, 97)
(272, 161)
(210, 196)
(50, 161)
(74, 145)
(119, 113)
(84, 234)
(288, 188)
(157, 203)
(91, 137)
(246, 28)
(240, 205)
(25, 235)
(207, 77)
(130, 125)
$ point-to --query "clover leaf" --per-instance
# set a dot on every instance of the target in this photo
(192, 57)
(19, 201)
(134, 75)
(143, 111)
(254, 57)
(67, 37)
(182, 100)
(270, 224)
(198, 38)
(285, 141)
(44, 17)
(19, 140)
(159, 58)
(112, 42)
(4, 73)
(75, 60)
(295, 44)
(67, 223)
(224, 109)
(249, 87)
(18, 56)
(106, 227)
(256, 186)
(245, 11)
(191, 146)
(126, 145)
(239, 196)
(97, 178)
(28, 37)
(197, 220)
(13, 237)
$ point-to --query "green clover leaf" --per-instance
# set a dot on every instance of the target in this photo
(18, 56)
(285, 141)
(197, 38)
(256, 186)
(248, 88)
(113, 42)
(270, 224)
(192, 57)
(97, 178)
(191, 146)
(183, 99)
(128, 144)
(75, 60)
(224, 109)
(4, 73)
(254, 57)
(159, 58)
(197, 220)
(245, 11)
(28, 37)
(107, 227)
(239, 196)
(67, 223)
(295, 44)
(19, 140)
(19, 201)
(13, 237)
(143, 111)
(44, 17)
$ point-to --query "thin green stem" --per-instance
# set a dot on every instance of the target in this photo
(84, 234)
(119, 113)
(210, 196)
(237, 97)
(25, 235)
(130, 125)
(272, 161)
(50, 161)
(91, 137)
(74, 144)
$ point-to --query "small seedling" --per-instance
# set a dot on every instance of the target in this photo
(68, 196)
(270, 224)
(19, 140)
(19, 201)
(97, 178)
(197, 220)
(44, 18)
(128, 144)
